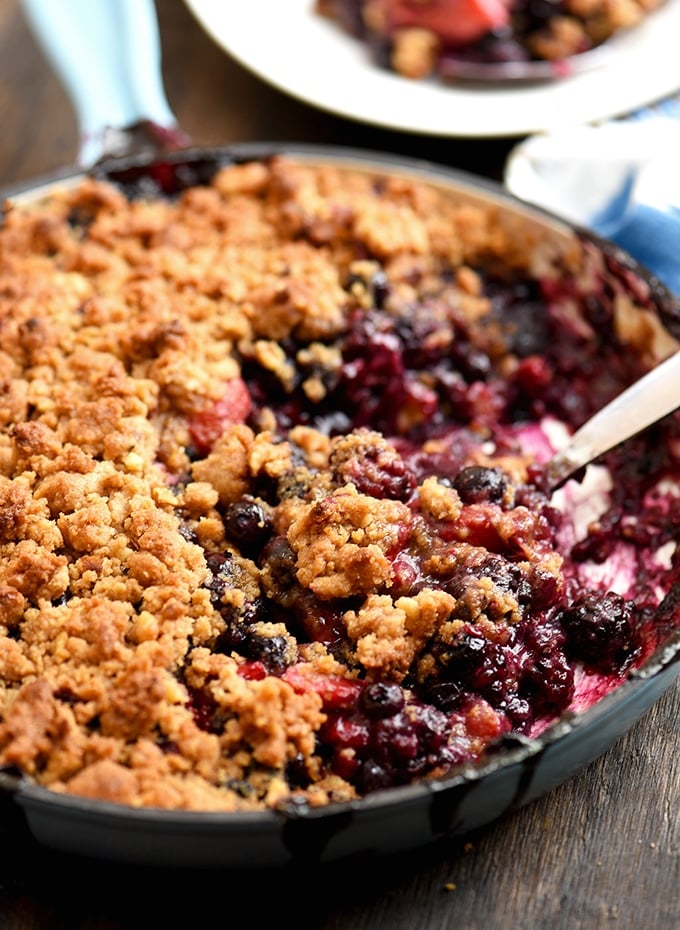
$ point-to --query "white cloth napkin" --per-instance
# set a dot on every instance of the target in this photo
(620, 179)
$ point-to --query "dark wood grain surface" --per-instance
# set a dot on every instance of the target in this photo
(601, 851)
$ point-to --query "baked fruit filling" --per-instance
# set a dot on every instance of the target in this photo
(424, 38)
(274, 523)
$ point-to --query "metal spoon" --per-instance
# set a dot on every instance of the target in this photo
(645, 402)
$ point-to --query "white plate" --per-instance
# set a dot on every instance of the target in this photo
(299, 52)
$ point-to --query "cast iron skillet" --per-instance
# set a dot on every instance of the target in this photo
(386, 821)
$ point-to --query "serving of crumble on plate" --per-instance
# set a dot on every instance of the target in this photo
(421, 38)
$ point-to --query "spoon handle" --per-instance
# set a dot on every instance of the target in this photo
(643, 403)
(107, 55)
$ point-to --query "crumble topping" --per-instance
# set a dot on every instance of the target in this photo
(273, 524)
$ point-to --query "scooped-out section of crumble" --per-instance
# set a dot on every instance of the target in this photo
(274, 524)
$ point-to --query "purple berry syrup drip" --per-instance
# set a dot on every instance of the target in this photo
(415, 374)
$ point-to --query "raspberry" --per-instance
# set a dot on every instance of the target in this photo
(206, 427)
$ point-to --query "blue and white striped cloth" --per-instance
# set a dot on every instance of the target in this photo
(620, 179)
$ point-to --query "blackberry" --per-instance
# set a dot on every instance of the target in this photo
(602, 631)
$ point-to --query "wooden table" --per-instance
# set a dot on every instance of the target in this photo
(602, 851)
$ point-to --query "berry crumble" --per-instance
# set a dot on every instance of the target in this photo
(274, 523)
(421, 38)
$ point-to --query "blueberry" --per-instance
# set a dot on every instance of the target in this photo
(247, 524)
(372, 776)
(477, 484)
(381, 699)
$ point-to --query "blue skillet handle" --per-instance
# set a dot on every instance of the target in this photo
(107, 55)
